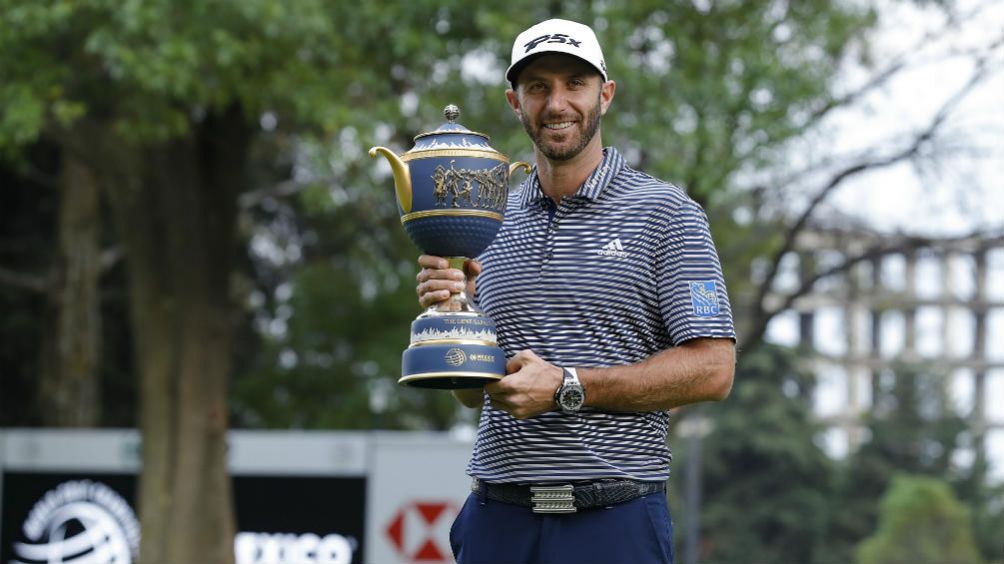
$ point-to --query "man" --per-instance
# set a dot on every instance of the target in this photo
(608, 297)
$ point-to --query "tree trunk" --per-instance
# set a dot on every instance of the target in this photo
(69, 390)
(175, 208)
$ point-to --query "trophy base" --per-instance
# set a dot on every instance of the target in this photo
(451, 366)
(451, 351)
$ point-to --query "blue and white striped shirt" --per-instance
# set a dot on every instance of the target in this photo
(615, 273)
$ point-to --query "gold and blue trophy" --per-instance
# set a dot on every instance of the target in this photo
(451, 191)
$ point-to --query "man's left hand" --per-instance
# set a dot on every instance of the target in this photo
(528, 388)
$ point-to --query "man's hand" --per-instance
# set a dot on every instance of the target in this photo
(528, 388)
(437, 281)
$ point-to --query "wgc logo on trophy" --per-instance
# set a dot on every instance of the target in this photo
(451, 192)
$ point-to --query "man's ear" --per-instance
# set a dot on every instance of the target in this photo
(513, 99)
(607, 90)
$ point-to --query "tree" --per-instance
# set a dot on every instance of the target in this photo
(765, 482)
(57, 373)
(25, 255)
(155, 103)
(70, 388)
(912, 429)
(69, 391)
(921, 521)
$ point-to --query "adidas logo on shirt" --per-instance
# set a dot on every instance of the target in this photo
(613, 249)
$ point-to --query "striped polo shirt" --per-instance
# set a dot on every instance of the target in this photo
(617, 272)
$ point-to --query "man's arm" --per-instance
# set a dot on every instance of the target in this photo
(697, 370)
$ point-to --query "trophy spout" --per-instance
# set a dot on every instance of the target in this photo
(402, 177)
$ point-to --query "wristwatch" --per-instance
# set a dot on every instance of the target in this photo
(570, 395)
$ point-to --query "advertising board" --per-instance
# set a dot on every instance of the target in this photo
(417, 486)
(300, 497)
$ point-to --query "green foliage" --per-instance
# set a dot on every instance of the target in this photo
(921, 521)
(145, 67)
(913, 429)
(771, 495)
(701, 94)
(334, 362)
(734, 79)
(765, 481)
(336, 316)
(987, 504)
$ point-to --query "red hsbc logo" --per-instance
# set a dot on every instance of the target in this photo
(420, 531)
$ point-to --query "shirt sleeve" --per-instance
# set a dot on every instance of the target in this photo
(692, 294)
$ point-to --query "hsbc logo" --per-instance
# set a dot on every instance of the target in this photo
(551, 38)
(420, 531)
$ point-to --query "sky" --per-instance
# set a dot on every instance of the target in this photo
(961, 191)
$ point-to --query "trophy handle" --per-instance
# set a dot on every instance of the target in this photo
(520, 165)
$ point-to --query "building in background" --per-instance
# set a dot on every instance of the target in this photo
(936, 302)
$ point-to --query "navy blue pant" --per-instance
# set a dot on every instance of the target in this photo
(635, 532)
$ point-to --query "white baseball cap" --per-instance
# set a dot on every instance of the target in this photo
(556, 36)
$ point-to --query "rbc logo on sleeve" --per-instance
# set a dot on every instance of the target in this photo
(704, 297)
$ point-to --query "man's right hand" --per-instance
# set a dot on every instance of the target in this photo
(437, 281)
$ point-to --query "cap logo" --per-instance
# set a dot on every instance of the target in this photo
(551, 38)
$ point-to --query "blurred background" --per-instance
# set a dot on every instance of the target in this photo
(192, 240)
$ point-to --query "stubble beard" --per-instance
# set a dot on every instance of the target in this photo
(556, 153)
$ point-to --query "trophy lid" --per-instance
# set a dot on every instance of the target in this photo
(451, 135)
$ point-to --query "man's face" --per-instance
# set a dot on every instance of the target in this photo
(560, 100)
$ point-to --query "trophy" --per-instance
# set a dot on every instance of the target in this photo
(451, 192)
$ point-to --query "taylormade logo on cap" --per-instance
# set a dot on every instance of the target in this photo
(556, 36)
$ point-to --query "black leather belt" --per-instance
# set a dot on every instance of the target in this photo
(567, 498)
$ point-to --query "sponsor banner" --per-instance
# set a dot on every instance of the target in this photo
(299, 519)
(68, 518)
(417, 484)
(64, 518)
(68, 496)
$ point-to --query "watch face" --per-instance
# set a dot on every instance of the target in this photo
(571, 398)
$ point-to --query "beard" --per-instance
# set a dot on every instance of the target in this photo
(557, 152)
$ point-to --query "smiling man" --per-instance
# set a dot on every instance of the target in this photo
(560, 107)
(609, 302)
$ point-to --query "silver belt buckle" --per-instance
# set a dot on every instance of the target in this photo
(552, 499)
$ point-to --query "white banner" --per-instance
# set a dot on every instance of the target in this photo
(416, 486)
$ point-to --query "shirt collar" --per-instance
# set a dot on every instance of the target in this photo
(591, 189)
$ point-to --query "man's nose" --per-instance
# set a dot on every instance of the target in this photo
(557, 99)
